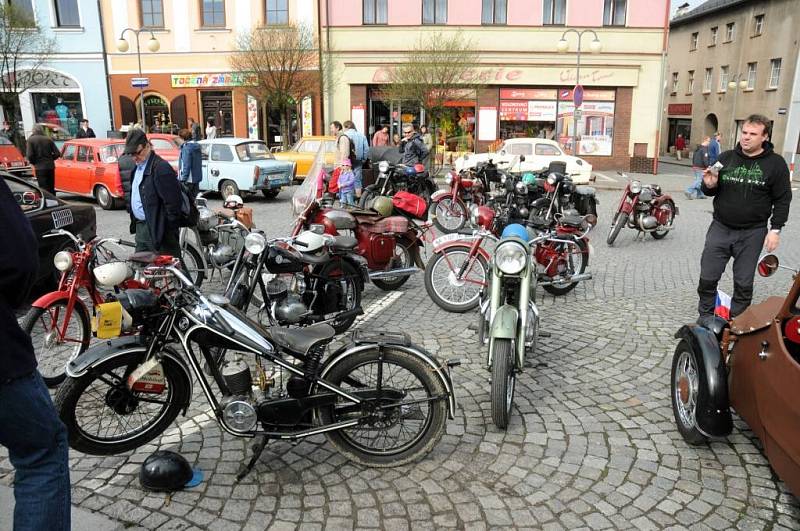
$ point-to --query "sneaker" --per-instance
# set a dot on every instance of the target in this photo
(688, 195)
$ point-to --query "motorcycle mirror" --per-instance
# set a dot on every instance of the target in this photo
(316, 228)
(768, 265)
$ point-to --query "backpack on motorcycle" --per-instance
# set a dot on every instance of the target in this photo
(411, 204)
(244, 216)
(189, 213)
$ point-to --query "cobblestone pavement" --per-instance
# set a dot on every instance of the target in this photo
(592, 441)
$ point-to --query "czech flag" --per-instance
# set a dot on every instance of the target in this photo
(723, 306)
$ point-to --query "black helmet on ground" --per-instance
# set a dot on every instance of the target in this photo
(165, 471)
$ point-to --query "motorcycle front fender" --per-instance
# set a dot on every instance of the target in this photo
(54, 296)
(504, 323)
(713, 413)
(440, 194)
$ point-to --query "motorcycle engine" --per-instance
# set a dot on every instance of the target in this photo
(238, 411)
(228, 245)
(288, 306)
(647, 222)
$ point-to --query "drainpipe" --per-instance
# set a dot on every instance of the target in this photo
(328, 64)
(661, 87)
(319, 62)
(105, 66)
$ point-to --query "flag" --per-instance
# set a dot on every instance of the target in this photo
(723, 305)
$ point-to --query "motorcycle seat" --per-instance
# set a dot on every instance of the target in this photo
(397, 224)
(315, 258)
(301, 340)
(584, 190)
(572, 221)
(143, 257)
(343, 243)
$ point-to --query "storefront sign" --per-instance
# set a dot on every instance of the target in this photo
(680, 109)
(213, 80)
(565, 94)
(252, 118)
(42, 79)
(483, 75)
(487, 124)
(308, 116)
(528, 111)
(527, 94)
(587, 76)
(595, 126)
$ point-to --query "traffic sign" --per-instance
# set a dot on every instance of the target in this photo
(140, 82)
(577, 95)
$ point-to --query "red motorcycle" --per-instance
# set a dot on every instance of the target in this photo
(644, 208)
(450, 208)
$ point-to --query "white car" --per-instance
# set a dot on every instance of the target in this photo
(539, 153)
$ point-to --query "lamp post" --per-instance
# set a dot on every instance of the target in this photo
(735, 84)
(152, 44)
(595, 46)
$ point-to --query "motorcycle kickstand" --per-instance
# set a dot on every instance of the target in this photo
(258, 448)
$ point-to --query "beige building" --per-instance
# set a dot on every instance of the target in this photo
(729, 59)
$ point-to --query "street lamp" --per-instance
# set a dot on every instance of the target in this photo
(735, 84)
(562, 46)
(152, 44)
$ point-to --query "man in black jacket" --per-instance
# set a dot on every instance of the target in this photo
(412, 147)
(42, 153)
(29, 425)
(751, 188)
(85, 131)
(154, 201)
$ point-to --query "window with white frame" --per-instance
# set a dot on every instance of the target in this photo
(708, 80)
(277, 12)
(614, 12)
(730, 31)
(774, 73)
(434, 11)
(693, 41)
(724, 74)
(690, 82)
(674, 82)
(751, 75)
(714, 32)
(554, 12)
(758, 25)
(376, 11)
(66, 12)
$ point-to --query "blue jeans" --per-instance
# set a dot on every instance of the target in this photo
(347, 198)
(37, 446)
(694, 189)
(357, 166)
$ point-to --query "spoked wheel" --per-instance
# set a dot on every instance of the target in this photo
(368, 196)
(403, 413)
(405, 254)
(576, 259)
(347, 277)
(685, 389)
(504, 379)
(193, 263)
(620, 220)
(660, 233)
(449, 290)
(449, 215)
(104, 417)
(56, 339)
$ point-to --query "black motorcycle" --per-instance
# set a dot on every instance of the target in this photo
(395, 177)
(380, 400)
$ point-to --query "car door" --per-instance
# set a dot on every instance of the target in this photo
(220, 165)
(83, 171)
(520, 148)
(64, 168)
(205, 182)
(306, 151)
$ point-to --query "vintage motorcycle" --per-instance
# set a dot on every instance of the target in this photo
(751, 364)
(450, 209)
(555, 193)
(395, 177)
(380, 400)
(643, 207)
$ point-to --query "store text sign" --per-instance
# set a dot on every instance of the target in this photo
(485, 75)
(527, 94)
(680, 109)
(528, 111)
(213, 80)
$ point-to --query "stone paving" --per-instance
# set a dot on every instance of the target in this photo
(592, 442)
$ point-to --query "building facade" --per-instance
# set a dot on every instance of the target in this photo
(524, 86)
(729, 59)
(71, 84)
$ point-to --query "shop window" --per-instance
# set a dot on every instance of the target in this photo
(84, 154)
(554, 12)
(376, 11)
(62, 111)
(69, 151)
(595, 129)
(221, 153)
(751, 75)
(775, 73)
(547, 150)
(152, 13)
(277, 12)
(494, 12)
(213, 13)
(434, 11)
(614, 12)
(67, 13)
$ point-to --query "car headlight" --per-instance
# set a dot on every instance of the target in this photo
(383, 166)
(448, 179)
(510, 257)
(521, 187)
(551, 179)
(636, 187)
(63, 260)
(255, 243)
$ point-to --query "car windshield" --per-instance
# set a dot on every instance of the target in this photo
(111, 153)
(4, 141)
(160, 143)
(253, 151)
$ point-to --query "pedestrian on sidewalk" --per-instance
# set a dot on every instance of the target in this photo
(42, 153)
(714, 148)
(197, 131)
(347, 184)
(680, 145)
(360, 152)
(751, 189)
(30, 429)
(190, 163)
(699, 164)
(381, 136)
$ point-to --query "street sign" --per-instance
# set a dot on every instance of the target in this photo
(577, 95)
(781, 110)
(578, 115)
(140, 82)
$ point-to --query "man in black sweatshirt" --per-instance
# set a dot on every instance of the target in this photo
(29, 425)
(751, 189)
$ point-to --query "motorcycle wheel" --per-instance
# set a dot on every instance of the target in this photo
(342, 271)
(52, 353)
(685, 388)
(393, 436)
(406, 255)
(448, 292)
(582, 254)
(193, 263)
(659, 234)
(504, 380)
(449, 216)
(620, 220)
(368, 196)
(103, 417)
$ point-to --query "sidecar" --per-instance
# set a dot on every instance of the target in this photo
(750, 364)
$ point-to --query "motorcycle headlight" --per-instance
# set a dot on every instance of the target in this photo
(255, 243)
(503, 178)
(473, 214)
(636, 187)
(510, 257)
(383, 166)
(63, 260)
(521, 188)
(448, 179)
(551, 179)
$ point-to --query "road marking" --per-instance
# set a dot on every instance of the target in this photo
(378, 305)
(605, 177)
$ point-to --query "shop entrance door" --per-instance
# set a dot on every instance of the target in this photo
(218, 106)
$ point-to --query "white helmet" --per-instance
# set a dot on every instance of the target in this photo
(233, 201)
(309, 242)
(110, 274)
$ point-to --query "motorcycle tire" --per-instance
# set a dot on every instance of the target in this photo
(113, 374)
(350, 374)
(566, 288)
(52, 365)
(660, 235)
(620, 220)
(192, 262)
(328, 271)
(368, 195)
(448, 207)
(410, 252)
(504, 380)
(444, 265)
(684, 364)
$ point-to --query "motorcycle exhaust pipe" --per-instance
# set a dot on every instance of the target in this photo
(402, 272)
(573, 278)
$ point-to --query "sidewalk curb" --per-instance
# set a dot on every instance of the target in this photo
(81, 518)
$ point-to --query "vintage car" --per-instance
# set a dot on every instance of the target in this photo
(166, 147)
(304, 151)
(12, 161)
(539, 153)
(242, 166)
(45, 213)
(88, 167)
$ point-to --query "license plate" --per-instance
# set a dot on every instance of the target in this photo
(441, 240)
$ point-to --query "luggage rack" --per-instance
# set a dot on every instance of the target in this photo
(380, 338)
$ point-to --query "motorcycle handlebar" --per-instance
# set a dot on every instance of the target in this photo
(61, 232)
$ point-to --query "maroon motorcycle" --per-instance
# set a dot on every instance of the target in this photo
(450, 209)
(646, 208)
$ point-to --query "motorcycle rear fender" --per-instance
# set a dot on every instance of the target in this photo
(504, 323)
(360, 264)
(120, 346)
(54, 296)
(665, 199)
(409, 348)
(713, 413)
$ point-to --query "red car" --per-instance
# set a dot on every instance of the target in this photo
(12, 161)
(88, 167)
(166, 147)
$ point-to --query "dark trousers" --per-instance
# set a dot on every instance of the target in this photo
(46, 180)
(192, 189)
(722, 244)
(170, 244)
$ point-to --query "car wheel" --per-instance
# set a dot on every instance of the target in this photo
(228, 188)
(104, 198)
(271, 194)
